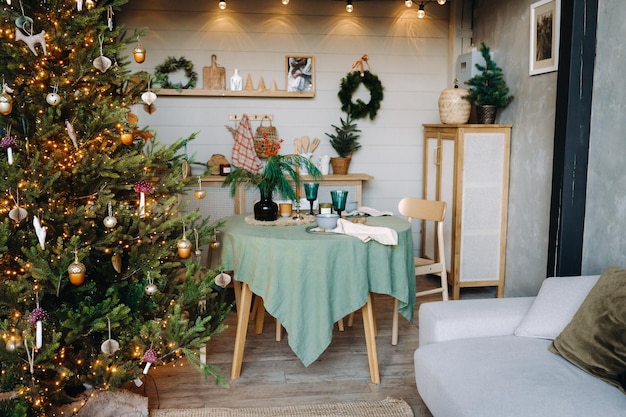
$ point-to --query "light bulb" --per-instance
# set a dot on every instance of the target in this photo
(408, 3)
(349, 6)
(222, 5)
(421, 13)
(441, 2)
(285, 2)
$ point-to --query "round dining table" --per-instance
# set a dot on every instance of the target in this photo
(310, 280)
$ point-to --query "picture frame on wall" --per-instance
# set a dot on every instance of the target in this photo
(300, 70)
(545, 18)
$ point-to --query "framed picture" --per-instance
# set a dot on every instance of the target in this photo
(545, 17)
(300, 73)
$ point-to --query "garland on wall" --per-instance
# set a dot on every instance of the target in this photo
(350, 84)
(172, 65)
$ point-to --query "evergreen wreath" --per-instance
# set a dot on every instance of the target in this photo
(172, 65)
(360, 109)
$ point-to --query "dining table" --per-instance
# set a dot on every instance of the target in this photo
(309, 280)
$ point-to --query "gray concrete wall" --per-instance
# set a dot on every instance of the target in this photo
(605, 216)
(504, 25)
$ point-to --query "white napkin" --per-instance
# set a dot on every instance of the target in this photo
(384, 235)
(369, 211)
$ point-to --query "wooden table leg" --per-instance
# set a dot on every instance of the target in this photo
(370, 339)
(237, 288)
(243, 317)
(260, 316)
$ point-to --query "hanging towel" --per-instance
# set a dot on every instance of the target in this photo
(384, 235)
(244, 155)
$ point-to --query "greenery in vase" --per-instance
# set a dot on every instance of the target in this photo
(69, 164)
(488, 87)
(280, 175)
(345, 139)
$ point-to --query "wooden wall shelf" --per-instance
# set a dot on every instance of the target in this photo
(200, 92)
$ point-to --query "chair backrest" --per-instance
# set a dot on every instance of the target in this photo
(415, 208)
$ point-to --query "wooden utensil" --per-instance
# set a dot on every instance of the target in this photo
(305, 144)
(314, 145)
(296, 145)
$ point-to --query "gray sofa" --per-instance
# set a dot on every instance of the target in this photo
(490, 358)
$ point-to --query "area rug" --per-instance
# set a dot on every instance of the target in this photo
(389, 407)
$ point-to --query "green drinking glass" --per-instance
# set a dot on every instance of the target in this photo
(310, 189)
(339, 198)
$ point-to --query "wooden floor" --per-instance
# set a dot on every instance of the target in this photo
(272, 375)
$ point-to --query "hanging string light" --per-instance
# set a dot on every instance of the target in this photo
(349, 6)
(222, 5)
(421, 13)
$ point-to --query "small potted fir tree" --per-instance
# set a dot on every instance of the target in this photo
(345, 141)
(488, 90)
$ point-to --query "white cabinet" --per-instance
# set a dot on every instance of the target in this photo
(467, 166)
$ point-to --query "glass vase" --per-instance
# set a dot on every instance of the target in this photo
(265, 210)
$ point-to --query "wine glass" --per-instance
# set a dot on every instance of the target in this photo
(339, 200)
(310, 188)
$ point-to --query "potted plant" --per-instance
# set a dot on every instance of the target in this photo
(345, 141)
(488, 90)
(281, 175)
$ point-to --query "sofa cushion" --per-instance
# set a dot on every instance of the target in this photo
(595, 339)
(508, 376)
(558, 300)
(440, 321)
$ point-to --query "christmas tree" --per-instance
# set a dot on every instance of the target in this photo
(488, 87)
(99, 262)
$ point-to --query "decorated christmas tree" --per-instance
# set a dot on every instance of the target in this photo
(99, 263)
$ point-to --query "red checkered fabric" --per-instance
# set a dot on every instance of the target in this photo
(244, 155)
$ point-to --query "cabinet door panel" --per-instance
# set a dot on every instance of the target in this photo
(481, 217)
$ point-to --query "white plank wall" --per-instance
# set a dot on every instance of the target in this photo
(409, 55)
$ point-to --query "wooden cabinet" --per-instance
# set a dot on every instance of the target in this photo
(467, 166)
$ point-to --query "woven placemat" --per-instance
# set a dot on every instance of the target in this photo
(389, 407)
(282, 221)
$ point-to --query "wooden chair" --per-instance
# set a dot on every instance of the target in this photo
(427, 211)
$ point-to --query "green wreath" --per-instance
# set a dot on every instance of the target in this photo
(172, 65)
(360, 109)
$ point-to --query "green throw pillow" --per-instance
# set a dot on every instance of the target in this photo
(595, 339)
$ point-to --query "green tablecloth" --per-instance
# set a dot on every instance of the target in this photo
(310, 281)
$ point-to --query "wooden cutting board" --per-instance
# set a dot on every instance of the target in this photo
(214, 77)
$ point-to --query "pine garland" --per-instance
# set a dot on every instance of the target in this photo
(360, 109)
(172, 65)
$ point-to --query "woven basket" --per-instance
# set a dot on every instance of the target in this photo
(453, 108)
(265, 148)
(266, 140)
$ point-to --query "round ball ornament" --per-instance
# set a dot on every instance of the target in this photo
(184, 247)
(214, 245)
(127, 138)
(110, 222)
(53, 99)
(76, 271)
(151, 289)
(199, 194)
(12, 345)
(6, 104)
